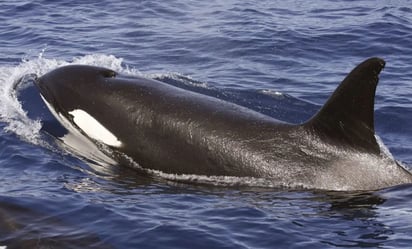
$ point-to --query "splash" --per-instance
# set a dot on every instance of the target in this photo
(11, 111)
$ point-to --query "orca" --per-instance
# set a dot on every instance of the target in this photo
(175, 131)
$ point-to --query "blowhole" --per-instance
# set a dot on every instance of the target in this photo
(109, 74)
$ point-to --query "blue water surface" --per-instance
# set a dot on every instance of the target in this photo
(281, 58)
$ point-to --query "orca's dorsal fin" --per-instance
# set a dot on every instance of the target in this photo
(348, 115)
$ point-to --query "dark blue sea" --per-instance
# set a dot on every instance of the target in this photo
(280, 58)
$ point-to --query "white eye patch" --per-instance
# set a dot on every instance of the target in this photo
(93, 128)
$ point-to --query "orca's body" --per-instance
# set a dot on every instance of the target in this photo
(165, 128)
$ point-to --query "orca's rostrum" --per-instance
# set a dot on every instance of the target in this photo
(172, 130)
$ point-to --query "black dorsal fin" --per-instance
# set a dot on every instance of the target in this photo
(348, 115)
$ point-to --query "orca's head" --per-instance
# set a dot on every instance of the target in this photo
(76, 95)
(72, 87)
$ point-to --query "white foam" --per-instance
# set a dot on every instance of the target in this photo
(11, 111)
(94, 129)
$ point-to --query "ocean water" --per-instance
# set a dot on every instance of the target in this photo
(281, 58)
